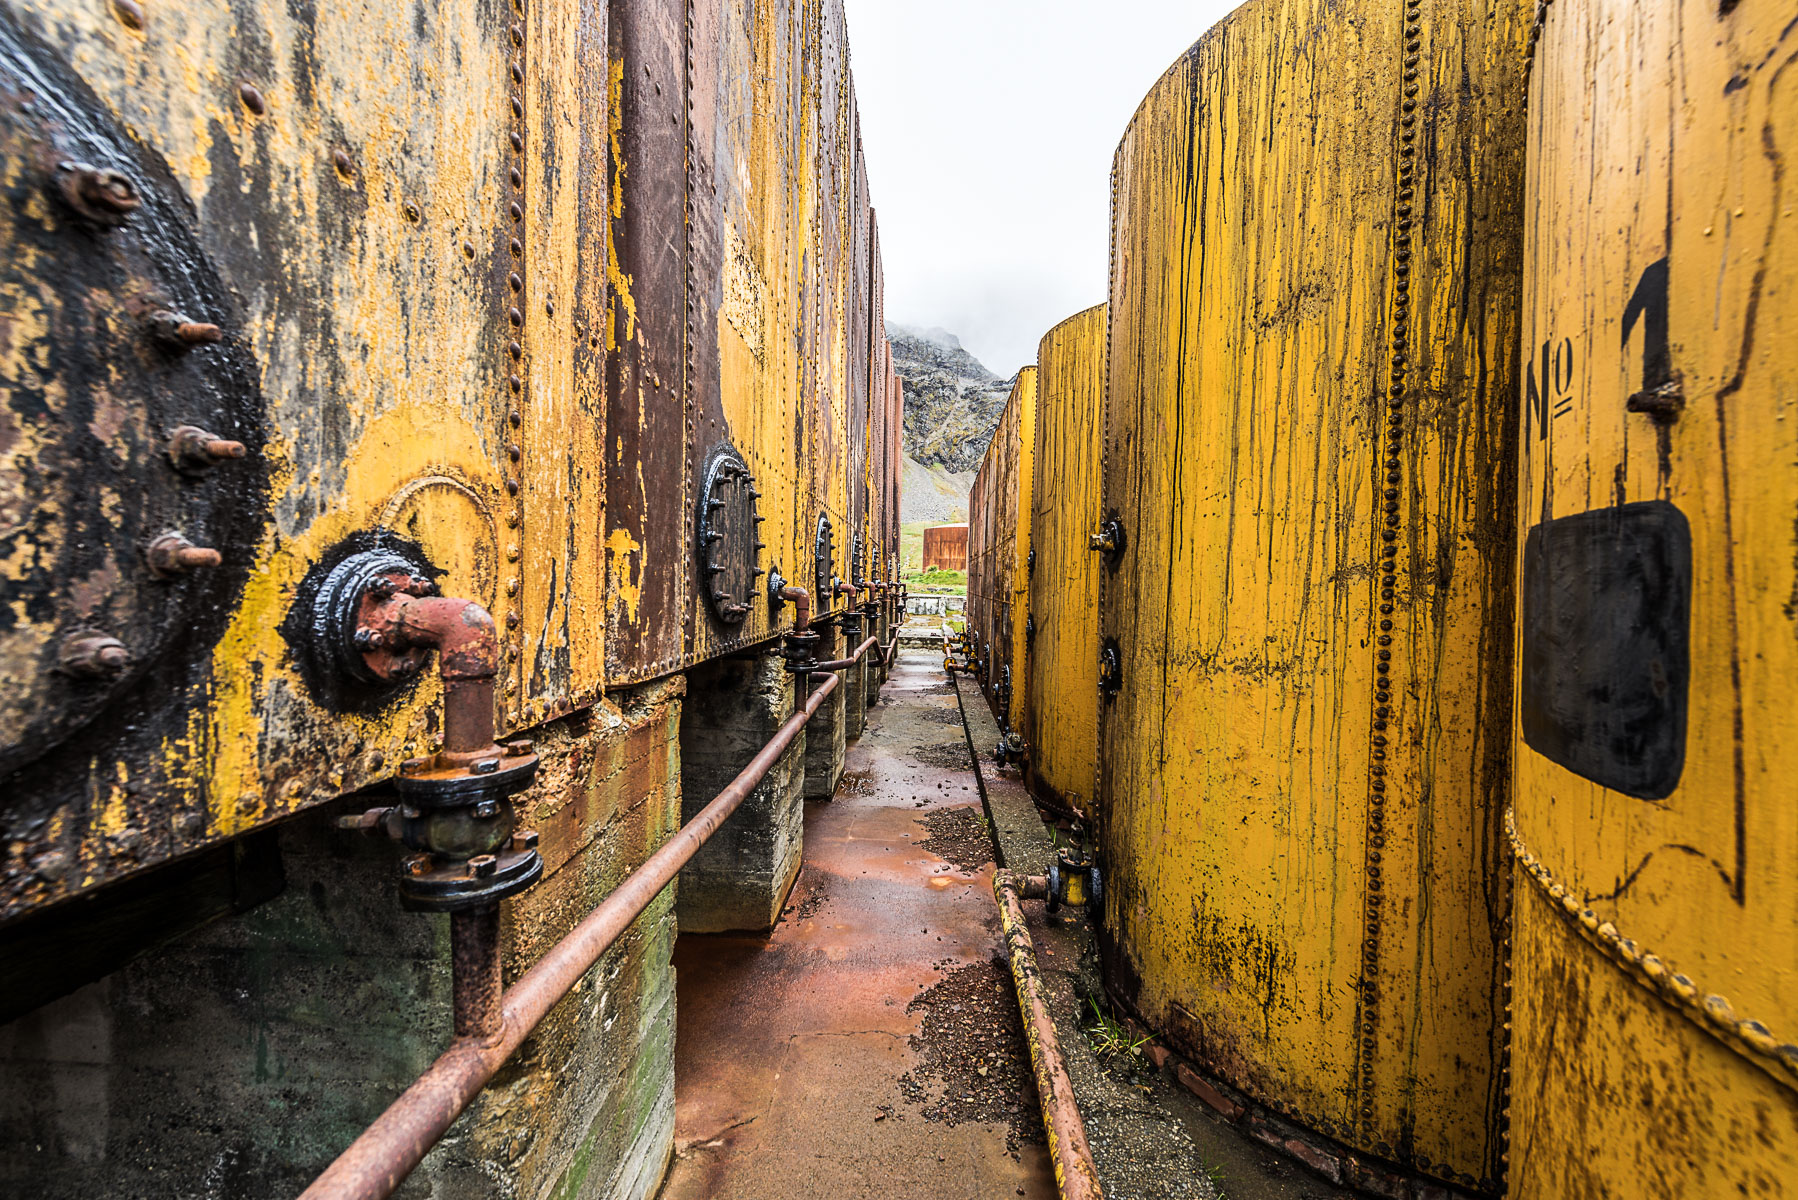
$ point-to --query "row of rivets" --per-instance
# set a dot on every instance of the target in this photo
(1707, 1010)
(1389, 498)
(512, 636)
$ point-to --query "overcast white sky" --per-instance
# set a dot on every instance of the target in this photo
(989, 127)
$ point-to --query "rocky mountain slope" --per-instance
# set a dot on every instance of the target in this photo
(952, 402)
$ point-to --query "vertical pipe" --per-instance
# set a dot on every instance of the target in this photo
(475, 972)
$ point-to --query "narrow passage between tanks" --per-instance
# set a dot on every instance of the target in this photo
(870, 1046)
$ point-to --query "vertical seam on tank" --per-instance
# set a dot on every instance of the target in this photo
(513, 301)
(690, 650)
(1388, 484)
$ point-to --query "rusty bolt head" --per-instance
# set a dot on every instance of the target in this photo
(194, 450)
(54, 865)
(415, 766)
(519, 747)
(486, 766)
(99, 194)
(481, 866)
(176, 331)
(93, 655)
(524, 839)
(418, 864)
(486, 810)
(418, 585)
(171, 555)
(381, 587)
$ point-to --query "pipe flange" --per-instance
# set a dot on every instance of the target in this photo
(432, 884)
(340, 605)
(800, 649)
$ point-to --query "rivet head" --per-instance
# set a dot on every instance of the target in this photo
(413, 214)
(130, 15)
(252, 99)
(342, 162)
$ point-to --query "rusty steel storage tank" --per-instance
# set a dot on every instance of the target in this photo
(557, 309)
(999, 552)
(1060, 720)
(1655, 962)
(1307, 536)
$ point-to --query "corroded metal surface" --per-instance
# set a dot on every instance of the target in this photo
(1656, 844)
(493, 285)
(1061, 720)
(1307, 448)
(999, 552)
(353, 201)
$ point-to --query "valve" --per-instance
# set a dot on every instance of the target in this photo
(377, 620)
(1109, 540)
(1010, 751)
(1074, 880)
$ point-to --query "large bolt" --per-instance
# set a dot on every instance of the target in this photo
(100, 194)
(481, 866)
(192, 449)
(173, 329)
(171, 555)
(93, 655)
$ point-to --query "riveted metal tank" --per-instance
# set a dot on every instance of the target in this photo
(1655, 965)
(259, 324)
(1306, 592)
(999, 551)
(312, 276)
(1061, 635)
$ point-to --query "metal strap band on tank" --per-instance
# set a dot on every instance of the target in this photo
(1710, 1012)
(1529, 50)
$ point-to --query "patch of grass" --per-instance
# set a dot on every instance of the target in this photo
(1109, 1037)
(911, 545)
(937, 580)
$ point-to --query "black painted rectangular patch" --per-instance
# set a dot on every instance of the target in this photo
(1607, 598)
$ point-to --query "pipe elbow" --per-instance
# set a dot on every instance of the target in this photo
(461, 631)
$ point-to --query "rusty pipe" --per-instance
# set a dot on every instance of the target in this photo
(843, 664)
(475, 972)
(1075, 1173)
(802, 606)
(379, 1161)
(844, 588)
(462, 633)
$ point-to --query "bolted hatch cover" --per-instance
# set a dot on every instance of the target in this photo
(823, 561)
(127, 411)
(729, 537)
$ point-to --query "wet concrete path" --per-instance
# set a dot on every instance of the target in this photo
(867, 1046)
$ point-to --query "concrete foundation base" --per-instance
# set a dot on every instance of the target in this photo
(740, 878)
(240, 1059)
(825, 733)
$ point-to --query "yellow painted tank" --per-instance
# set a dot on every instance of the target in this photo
(511, 293)
(1655, 963)
(999, 552)
(1061, 636)
(1306, 600)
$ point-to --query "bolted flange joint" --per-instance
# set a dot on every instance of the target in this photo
(1074, 880)
(380, 618)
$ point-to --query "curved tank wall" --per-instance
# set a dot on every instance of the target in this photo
(1654, 980)
(1313, 303)
(1061, 644)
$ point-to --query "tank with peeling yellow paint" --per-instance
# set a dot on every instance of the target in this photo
(999, 552)
(1061, 642)
(1654, 980)
(423, 264)
(1313, 310)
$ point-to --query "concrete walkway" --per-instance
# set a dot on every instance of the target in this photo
(868, 1046)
